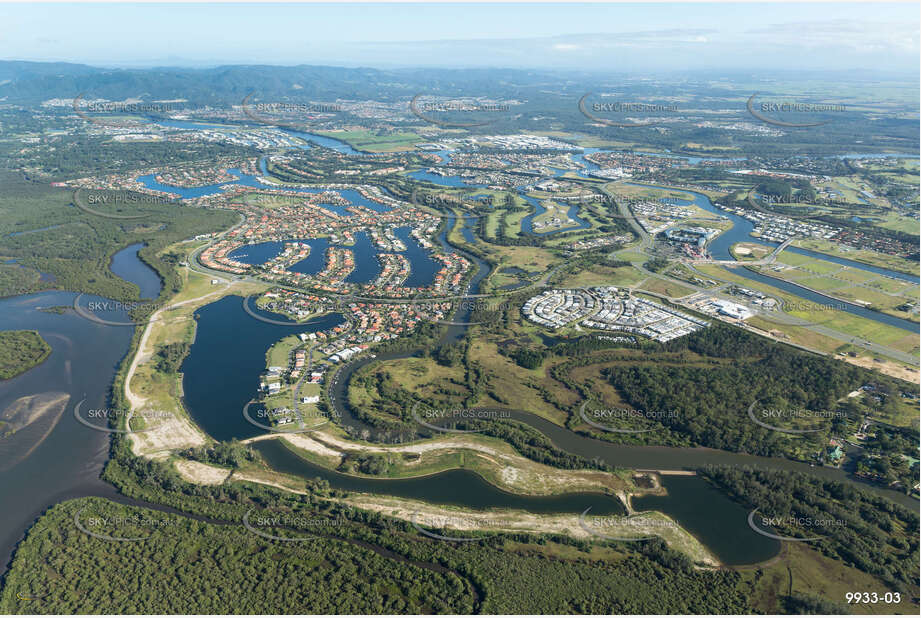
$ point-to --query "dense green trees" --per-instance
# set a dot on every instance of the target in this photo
(450, 354)
(170, 356)
(190, 567)
(74, 248)
(20, 350)
(529, 358)
(711, 396)
(362, 564)
(858, 528)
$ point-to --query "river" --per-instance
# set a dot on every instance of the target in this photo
(328, 142)
(57, 458)
(741, 232)
(127, 265)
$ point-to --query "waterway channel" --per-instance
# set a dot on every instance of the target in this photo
(57, 458)
(741, 232)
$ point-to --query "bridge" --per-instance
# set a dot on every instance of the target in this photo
(768, 259)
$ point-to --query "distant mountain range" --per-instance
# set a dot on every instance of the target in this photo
(30, 83)
(33, 82)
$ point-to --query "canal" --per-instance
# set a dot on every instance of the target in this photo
(741, 232)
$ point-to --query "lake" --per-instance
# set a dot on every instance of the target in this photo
(221, 373)
(457, 487)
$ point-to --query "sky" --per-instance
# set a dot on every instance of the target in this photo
(612, 37)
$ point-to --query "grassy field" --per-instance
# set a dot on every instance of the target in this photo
(851, 284)
(648, 193)
(599, 274)
(512, 385)
(668, 288)
(371, 142)
(665, 191)
(840, 321)
(747, 251)
(279, 354)
(267, 200)
(681, 271)
(867, 257)
(900, 223)
(632, 256)
(527, 258)
(809, 572)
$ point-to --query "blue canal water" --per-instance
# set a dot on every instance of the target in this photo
(467, 230)
(319, 140)
(457, 487)
(712, 517)
(741, 232)
(127, 265)
(368, 268)
(41, 229)
(527, 222)
(423, 267)
(221, 373)
(247, 180)
(444, 181)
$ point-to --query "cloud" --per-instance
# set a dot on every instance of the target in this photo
(861, 36)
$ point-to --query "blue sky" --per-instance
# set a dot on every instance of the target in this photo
(618, 37)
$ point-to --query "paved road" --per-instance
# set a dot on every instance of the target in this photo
(766, 260)
(645, 244)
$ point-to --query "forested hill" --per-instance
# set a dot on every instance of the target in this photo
(31, 82)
